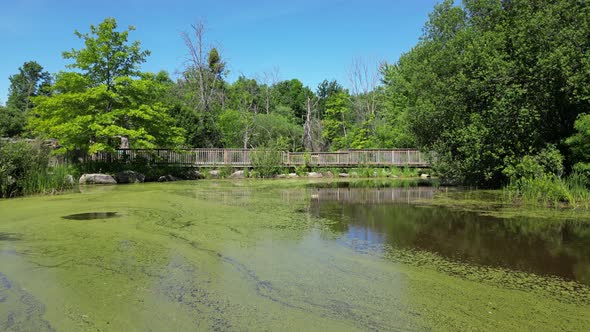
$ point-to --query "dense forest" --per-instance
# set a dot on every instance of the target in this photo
(497, 89)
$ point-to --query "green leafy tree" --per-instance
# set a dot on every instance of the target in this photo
(12, 122)
(107, 54)
(108, 99)
(580, 143)
(294, 95)
(493, 81)
(336, 120)
(29, 82)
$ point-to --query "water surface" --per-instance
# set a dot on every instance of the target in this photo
(269, 256)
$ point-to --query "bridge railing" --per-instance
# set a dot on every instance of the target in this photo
(242, 157)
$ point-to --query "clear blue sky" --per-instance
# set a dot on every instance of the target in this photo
(311, 40)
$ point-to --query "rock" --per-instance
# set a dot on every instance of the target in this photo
(214, 174)
(129, 177)
(329, 174)
(395, 176)
(314, 175)
(70, 179)
(193, 174)
(168, 178)
(97, 179)
(237, 175)
(292, 175)
(425, 176)
(281, 176)
(344, 175)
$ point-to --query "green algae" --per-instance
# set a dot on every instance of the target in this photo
(246, 255)
(492, 203)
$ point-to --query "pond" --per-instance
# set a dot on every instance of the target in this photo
(284, 255)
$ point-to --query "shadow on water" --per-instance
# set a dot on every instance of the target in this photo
(91, 216)
(383, 217)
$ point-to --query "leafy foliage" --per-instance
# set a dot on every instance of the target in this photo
(94, 109)
(492, 81)
(24, 169)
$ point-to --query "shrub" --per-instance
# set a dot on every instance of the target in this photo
(267, 160)
(25, 169)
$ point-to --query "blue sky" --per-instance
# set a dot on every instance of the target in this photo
(306, 39)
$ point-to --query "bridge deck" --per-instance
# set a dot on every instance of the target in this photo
(243, 157)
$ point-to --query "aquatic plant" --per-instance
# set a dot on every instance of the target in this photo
(550, 190)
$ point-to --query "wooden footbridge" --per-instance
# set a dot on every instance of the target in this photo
(243, 157)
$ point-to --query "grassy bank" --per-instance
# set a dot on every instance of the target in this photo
(550, 191)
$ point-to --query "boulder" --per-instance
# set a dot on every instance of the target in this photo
(214, 174)
(237, 175)
(281, 176)
(292, 175)
(168, 178)
(314, 175)
(70, 179)
(129, 177)
(329, 174)
(343, 175)
(193, 174)
(425, 176)
(97, 179)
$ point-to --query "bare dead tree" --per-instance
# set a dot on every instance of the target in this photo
(270, 78)
(363, 81)
(200, 68)
(310, 123)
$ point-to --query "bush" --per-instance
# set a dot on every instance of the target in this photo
(267, 161)
(24, 169)
(547, 162)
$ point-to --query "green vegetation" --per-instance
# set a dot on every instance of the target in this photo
(220, 254)
(266, 161)
(24, 169)
(96, 108)
(493, 81)
(490, 86)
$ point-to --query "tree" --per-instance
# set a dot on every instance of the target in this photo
(107, 55)
(492, 81)
(12, 122)
(325, 90)
(293, 94)
(94, 109)
(31, 81)
(205, 69)
(336, 120)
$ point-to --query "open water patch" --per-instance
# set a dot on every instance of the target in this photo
(92, 216)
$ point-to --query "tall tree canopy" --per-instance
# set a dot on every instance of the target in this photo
(493, 80)
(30, 81)
(108, 99)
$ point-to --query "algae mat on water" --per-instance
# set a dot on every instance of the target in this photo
(242, 256)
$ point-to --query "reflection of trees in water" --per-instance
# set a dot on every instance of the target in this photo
(373, 196)
(243, 197)
(531, 245)
(382, 215)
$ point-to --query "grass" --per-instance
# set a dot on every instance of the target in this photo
(548, 190)
(48, 180)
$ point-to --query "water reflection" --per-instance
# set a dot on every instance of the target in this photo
(525, 244)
